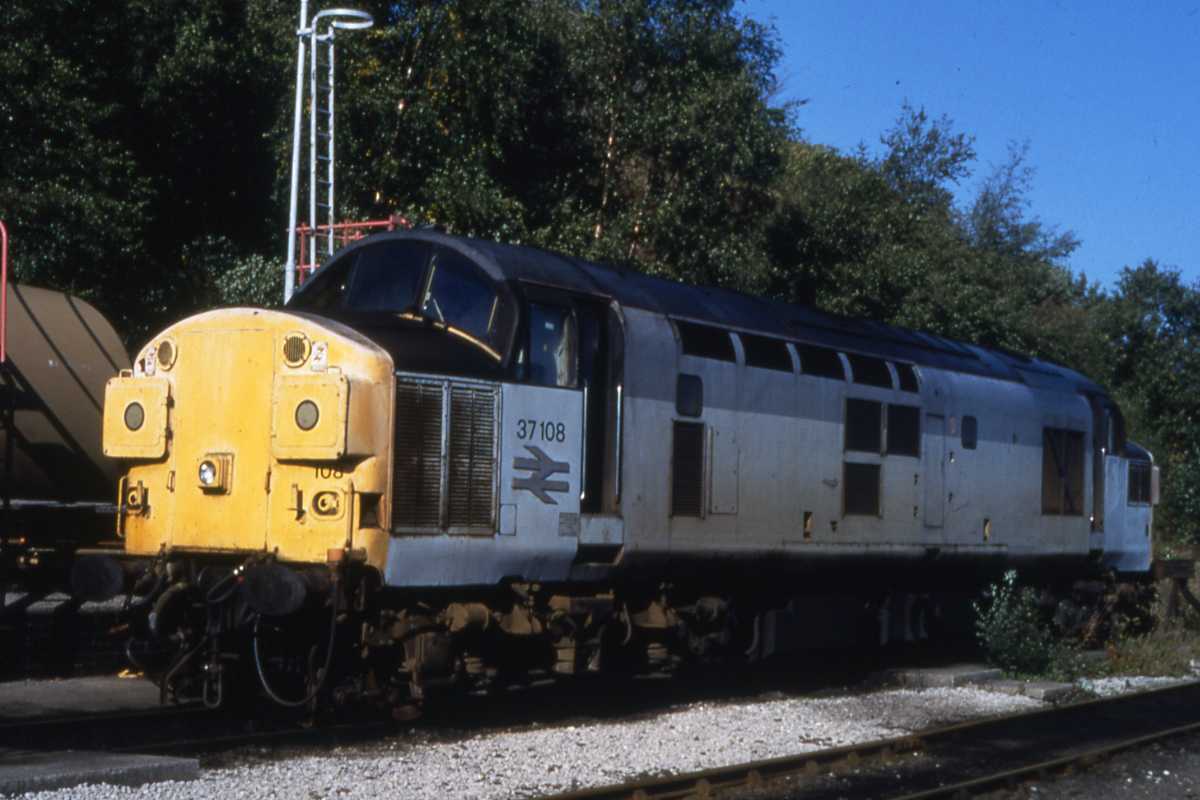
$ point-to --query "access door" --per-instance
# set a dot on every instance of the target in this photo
(934, 468)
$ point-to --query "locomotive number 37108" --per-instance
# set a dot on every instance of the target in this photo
(541, 430)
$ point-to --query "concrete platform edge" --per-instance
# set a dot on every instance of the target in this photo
(33, 772)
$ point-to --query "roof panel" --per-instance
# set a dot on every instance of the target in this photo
(740, 311)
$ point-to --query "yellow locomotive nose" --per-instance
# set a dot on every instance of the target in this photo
(251, 434)
(222, 440)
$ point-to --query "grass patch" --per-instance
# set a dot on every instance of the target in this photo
(1170, 649)
(1016, 628)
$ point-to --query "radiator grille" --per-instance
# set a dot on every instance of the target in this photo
(687, 470)
(472, 436)
(456, 492)
(417, 475)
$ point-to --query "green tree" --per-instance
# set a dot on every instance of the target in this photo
(1151, 325)
(133, 132)
(873, 236)
(70, 192)
(629, 131)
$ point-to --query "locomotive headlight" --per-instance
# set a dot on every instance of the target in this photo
(307, 415)
(135, 416)
(208, 473)
(215, 473)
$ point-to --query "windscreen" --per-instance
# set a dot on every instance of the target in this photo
(380, 277)
(401, 277)
(459, 295)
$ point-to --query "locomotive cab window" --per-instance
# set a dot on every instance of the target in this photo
(388, 276)
(459, 295)
(326, 290)
(399, 277)
(552, 344)
(1139, 483)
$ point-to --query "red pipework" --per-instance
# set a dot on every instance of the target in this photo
(343, 234)
(3, 288)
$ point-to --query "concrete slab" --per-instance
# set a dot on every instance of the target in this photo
(25, 699)
(1048, 691)
(954, 675)
(1005, 686)
(30, 772)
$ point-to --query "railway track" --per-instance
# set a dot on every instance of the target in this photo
(951, 762)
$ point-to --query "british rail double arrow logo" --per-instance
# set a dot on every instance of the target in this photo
(540, 468)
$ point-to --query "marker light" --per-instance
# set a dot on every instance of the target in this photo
(135, 416)
(307, 415)
(208, 473)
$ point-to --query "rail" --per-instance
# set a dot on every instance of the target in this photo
(343, 234)
(1086, 731)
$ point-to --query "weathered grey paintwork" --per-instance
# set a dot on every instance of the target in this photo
(775, 451)
(537, 529)
(774, 454)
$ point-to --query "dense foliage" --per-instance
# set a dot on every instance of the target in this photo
(145, 163)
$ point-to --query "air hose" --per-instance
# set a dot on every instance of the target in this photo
(262, 674)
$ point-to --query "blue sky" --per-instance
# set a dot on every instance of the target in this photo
(1107, 95)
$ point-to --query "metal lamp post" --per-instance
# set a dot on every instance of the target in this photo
(321, 121)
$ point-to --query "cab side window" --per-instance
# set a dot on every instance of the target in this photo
(553, 345)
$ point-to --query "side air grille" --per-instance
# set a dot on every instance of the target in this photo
(445, 458)
(472, 456)
(687, 470)
(417, 474)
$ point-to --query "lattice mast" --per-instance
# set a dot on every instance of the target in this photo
(316, 41)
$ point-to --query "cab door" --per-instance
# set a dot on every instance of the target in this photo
(576, 341)
(1102, 428)
(600, 375)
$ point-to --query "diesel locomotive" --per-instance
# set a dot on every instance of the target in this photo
(456, 463)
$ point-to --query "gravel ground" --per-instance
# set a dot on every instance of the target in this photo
(1165, 770)
(1107, 687)
(540, 761)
